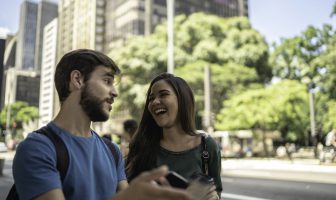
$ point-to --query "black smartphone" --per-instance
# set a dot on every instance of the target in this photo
(176, 180)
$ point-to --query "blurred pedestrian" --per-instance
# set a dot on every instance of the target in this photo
(167, 135)
(331, 139)
(130, 126)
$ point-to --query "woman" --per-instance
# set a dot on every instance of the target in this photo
(167, 134)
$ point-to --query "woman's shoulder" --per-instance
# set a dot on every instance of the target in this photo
(210, 141)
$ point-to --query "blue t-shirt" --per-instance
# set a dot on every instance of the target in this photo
(91, 173)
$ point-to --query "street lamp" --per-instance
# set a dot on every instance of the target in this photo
(170, 33)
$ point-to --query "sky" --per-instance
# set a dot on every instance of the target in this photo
(272, 18)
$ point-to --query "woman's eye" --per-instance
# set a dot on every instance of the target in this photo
(163, 94)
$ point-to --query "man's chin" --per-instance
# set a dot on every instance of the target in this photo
(101, 118)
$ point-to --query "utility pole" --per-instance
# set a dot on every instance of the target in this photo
(148, 16)
(312, 117)
(170, 32)
(207, 122)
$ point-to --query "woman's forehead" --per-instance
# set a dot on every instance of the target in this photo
(161, 85)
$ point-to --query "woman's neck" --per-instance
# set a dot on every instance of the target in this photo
(175, 139)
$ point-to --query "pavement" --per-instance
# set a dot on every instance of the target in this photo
(6, 179)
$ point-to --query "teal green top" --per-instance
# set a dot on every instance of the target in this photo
(189, 162)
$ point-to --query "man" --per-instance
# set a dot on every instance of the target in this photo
(84, 80)
(331, 139)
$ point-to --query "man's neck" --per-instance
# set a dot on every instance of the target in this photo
(73, 119)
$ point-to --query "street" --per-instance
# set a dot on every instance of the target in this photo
(262, 189)
(257, 180)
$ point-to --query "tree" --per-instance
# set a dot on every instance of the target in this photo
(236, 53)
(20, 112)
(333, 12)
(309, 58)
(282, 106)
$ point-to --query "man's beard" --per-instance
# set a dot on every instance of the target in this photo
(93, 106)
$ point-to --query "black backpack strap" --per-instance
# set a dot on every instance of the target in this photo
(205, 156)
(62, 158)
(112, 149)
(12, 195)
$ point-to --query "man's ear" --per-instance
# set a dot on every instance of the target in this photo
(76, 79)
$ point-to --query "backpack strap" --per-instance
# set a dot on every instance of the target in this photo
(62, 158)
(205, 156)
(113, 150)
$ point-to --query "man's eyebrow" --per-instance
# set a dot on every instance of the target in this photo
(109, 74)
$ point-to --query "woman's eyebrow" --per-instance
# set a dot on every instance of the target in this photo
(160, 91)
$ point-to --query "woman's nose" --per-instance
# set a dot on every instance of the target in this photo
(156, 100)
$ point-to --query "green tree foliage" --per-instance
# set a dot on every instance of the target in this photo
(333, 12)
(236, 54)
(282, 106)
(226, 80)
(309, 58)
(20, 112)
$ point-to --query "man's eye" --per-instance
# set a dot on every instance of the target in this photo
(107, 81)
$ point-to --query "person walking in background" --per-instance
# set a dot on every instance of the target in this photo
(129, 126)
(167, 135)
(330, 140)
(84, 80)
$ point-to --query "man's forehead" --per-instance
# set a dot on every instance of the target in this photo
(105, 70)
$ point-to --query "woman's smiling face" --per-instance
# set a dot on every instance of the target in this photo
(163, 104)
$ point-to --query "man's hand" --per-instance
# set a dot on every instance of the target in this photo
(144, 187)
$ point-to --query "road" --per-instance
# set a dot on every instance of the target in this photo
(278, 180)
(257, 180)
(237, 188)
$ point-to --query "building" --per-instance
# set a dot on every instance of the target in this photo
(21, 85)
(8, 62)
(80, 25)
(2, 68)
(26, 36)
(125, 18)
(48, 97)
(47, 11)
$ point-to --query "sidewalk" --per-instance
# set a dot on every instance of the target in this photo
(6, 180)
(308, 170)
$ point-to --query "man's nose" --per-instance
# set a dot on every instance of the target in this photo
(113, 92)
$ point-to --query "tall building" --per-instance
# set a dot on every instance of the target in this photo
(47, 11)
(125, 18)
(80, 25)
(22, 85)
(2, 68)
(48, 98)
(26, 39)
(9, 62)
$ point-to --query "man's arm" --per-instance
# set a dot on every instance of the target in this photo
(144, 187)
(55, 194)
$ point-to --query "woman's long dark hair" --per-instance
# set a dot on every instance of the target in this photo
(145, 144)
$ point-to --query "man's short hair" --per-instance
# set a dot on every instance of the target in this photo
(83, 60)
